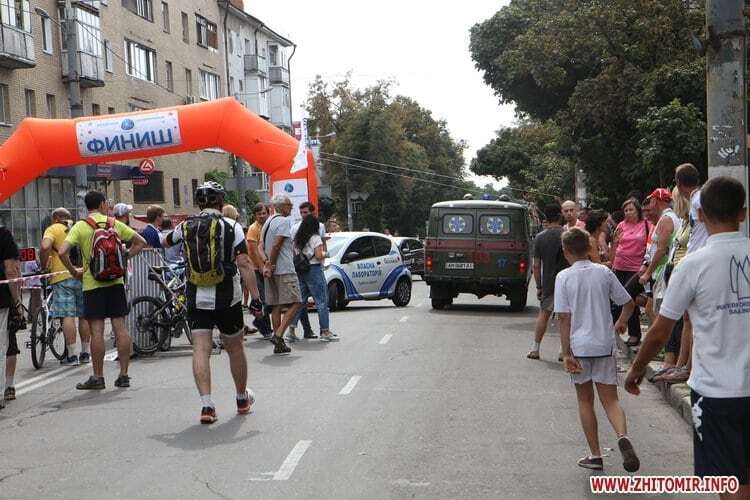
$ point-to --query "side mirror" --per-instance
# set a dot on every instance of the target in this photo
(351, 256)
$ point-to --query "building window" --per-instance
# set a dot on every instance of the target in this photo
(132, 108)
(4, 104)
(16, 13)
(273, 55)
(141, 61)
(206, 33)
(209, 85)
(151, 192)
(96, 110)
(170, 76)
(240, 85)
(143, 8)
(231, 42)
(51, 106)
(110, 110)
(47, 35)
(231, 82)
(165, 16)
(108, 56)
(176, 191)
(194, 185)
(185, 28)
(30, 96)
(189, 82)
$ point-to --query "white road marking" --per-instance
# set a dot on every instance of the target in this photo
(111, 355)
(51, 377)
(350, 385)
(291, 461)
(403, 319)
(385, 339)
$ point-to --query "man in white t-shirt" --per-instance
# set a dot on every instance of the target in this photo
(582, 301)
(713, 284)
(687, 178)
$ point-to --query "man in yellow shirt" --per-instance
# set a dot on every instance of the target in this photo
(67, 292)
(260, 211)
(102, 299)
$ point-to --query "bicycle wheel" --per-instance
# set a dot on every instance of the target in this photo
(165, 337)
(56, 339)
(38, 338)
(146, 316)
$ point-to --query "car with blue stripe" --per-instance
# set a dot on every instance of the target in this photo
(365, 266)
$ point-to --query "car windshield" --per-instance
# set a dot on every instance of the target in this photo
(334, 245)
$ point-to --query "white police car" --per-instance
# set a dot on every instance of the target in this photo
(365, 266)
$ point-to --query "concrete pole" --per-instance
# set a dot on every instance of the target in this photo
(74, 98)
(726, 97)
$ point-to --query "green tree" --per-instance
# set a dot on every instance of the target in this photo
(595, 68)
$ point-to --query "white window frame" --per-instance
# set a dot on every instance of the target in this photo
(47, 46)
(108, 57)
(209, 85)
(165, 20)
(141, 61)
(202, 30)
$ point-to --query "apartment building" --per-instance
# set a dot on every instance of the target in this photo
(257, 61)
(133, 55)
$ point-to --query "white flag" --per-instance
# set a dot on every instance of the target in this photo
(300, 160)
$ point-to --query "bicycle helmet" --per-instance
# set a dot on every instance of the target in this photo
(209, 193)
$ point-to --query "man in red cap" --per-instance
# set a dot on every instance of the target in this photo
(660, 201)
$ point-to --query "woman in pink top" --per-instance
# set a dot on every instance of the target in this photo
(628, 250)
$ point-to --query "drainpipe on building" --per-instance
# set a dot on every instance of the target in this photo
(237, 165)
(74, 99)
(289, 69)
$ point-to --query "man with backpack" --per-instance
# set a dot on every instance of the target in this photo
(100, 240)
(67, 292)
(216, 256)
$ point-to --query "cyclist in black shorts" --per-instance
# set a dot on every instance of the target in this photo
(217, 305)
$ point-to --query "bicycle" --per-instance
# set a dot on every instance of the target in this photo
(46, 332)
(158, 321)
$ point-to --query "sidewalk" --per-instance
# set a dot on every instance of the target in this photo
(677, 395)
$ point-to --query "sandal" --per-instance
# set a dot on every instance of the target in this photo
(677, 376)
(533, 355)
(657, 376)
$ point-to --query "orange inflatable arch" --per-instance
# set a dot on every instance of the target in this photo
(40, 144)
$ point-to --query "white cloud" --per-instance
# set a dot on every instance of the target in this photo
(423, 45)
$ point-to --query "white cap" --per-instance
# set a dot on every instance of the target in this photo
(122, 209)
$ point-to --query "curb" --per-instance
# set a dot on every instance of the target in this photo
(677, 395)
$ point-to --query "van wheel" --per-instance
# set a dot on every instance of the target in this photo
(518, 299)
(402, 294)
(441, 304)
(335, 293)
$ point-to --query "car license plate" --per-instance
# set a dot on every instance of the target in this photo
(459, 265)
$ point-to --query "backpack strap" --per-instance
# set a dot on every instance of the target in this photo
(91, 222)
(110, 223)
(265, 233)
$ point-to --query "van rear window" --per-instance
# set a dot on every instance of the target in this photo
(494, 224)
(458, 224)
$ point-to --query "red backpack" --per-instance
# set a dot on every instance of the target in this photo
(107, 261)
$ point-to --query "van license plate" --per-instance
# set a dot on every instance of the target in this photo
(459, 265)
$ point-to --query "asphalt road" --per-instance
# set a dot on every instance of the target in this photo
(410, 403)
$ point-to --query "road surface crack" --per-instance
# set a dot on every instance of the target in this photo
(209, 487)
(17, 472)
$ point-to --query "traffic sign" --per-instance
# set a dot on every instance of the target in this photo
(139, 181)
(147, 166)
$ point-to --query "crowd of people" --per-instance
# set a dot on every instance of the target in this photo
(678, 255)
(270, 269)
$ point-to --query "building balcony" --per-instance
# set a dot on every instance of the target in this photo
(255, 102)
(90, 71)
(256, 64)
(279, 76)
(16, 48)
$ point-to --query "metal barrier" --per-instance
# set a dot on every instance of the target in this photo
(138, 283)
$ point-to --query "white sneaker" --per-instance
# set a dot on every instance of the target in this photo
(291, 336)
(328, 337)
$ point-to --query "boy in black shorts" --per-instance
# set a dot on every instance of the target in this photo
(713, 285)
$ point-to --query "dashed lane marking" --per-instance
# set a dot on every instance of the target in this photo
(349, 387)
(385, 339)
(404, 319)
(292, 460)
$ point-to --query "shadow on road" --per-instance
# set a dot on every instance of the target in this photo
(200, 437)
(276, 360)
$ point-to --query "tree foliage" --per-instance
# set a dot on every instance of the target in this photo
(388, 132)
(595, 68)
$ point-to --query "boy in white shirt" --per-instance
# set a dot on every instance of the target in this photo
(582, 302)
(713, 285)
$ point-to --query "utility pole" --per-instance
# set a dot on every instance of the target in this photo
(726, 96)
(74, 98)
(349, 223)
